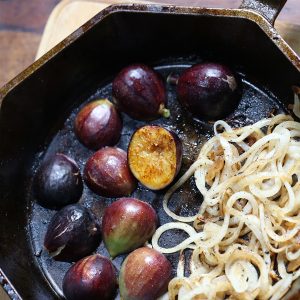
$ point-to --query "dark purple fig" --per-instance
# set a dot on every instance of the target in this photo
(154, 156)
(98, 124)
(73, 233)
(91, 278)
(58, 182)
(127, 224)
(140, 92)
(209, 90)
(107, 173)
(145, 274)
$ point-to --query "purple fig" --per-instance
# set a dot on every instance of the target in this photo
(145, 274)
(98, 124)
(92, 278)
(127, 224)
(58, 182)
(140, 92)
(208, 90)
(107, 173)
(72, 233)
(154, 156)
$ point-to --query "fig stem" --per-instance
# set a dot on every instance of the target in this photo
(164, 111)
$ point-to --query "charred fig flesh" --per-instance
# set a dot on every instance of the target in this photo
(154, 156)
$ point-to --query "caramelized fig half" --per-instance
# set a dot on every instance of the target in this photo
(154, 156)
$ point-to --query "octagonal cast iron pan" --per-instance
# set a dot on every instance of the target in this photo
(38, 109)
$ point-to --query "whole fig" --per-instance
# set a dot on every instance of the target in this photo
(107, 173)
(98, 124)
(58, 182)
(91, 278)
(127, 224)
(145, 274)
(208, 90)
(140, 92)
(72, 233)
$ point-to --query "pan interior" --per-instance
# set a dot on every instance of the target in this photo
(256, 103)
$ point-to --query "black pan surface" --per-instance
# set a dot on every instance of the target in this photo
(257, 102)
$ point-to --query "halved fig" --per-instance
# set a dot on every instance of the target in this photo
(154, 156)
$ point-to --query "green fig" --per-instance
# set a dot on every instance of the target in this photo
(127, 224)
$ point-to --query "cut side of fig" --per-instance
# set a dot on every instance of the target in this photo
(154, 156)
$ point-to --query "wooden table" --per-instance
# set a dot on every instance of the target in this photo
(22, 24)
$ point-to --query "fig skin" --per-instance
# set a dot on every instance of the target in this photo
(154, 156)
(140, 92)
(209, 91)
(93, 278)
(127, 224)
(72, 233)
(107, 173)
(145, 274)
(98, 124)
(58, 182)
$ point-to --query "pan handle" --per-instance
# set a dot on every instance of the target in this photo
(267, 8)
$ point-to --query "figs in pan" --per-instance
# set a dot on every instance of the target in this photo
(154, 156)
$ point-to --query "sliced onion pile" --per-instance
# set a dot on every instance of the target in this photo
(245, 239)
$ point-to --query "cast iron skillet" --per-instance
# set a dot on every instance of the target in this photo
(37, 110)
